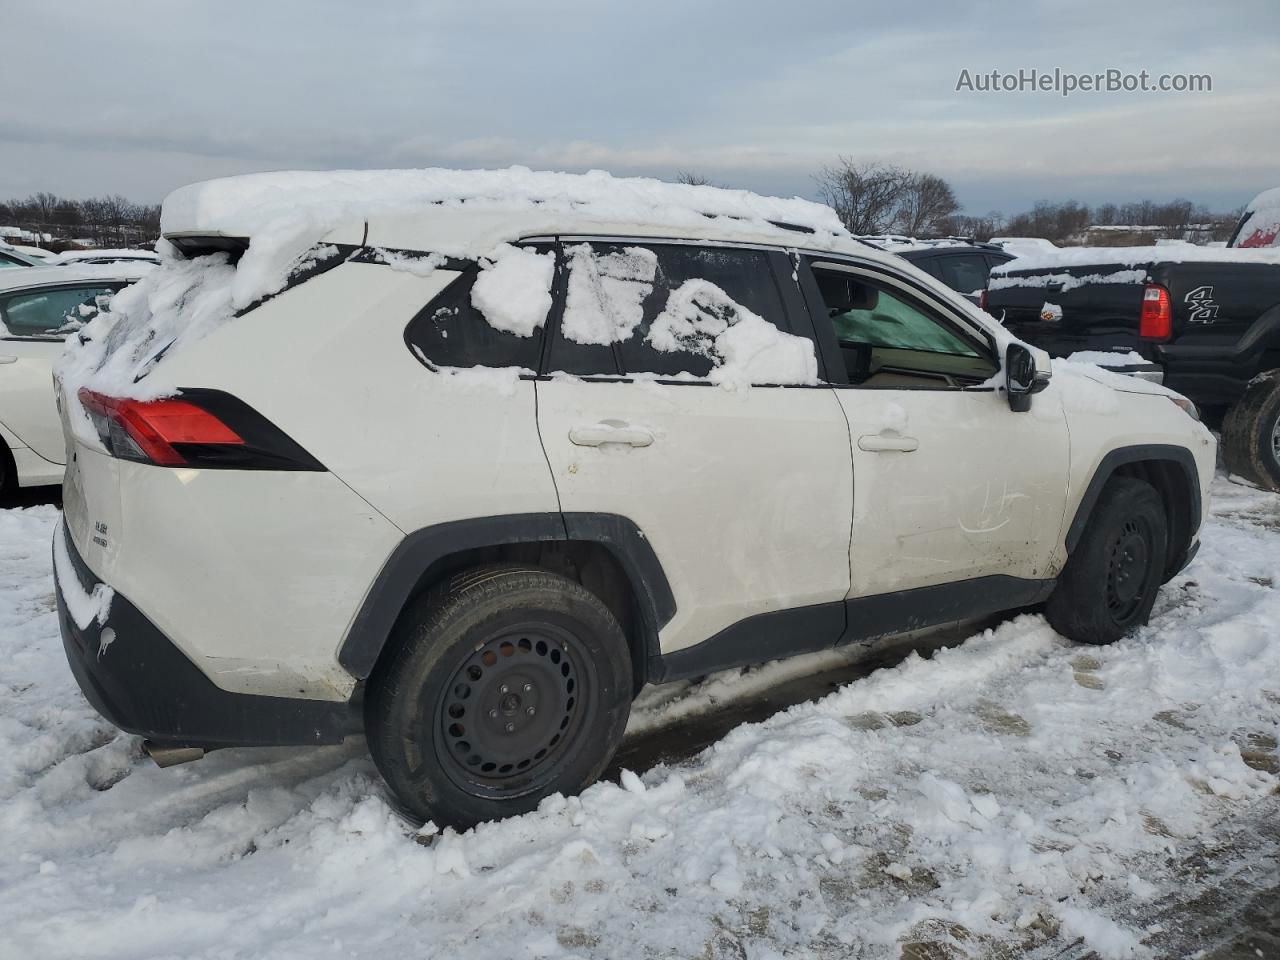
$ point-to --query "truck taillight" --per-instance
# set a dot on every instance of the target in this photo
(1156, 321)
(200, 428)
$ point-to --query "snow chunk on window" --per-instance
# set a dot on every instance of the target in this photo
(606, 293)
(701, 318)
(513, 290)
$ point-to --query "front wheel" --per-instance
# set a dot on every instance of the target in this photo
(1251, 433)
(507, 684)
(1110, 582)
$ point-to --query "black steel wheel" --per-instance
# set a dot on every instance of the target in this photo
(511, 709)
(505, 685)
(1111, 579)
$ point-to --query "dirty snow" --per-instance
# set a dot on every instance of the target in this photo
(1007, 797)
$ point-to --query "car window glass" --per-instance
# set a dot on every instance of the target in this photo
(682, 310)
(888, 338)
(51, 312)
(451, 332)
(965, 274)
(6, 261)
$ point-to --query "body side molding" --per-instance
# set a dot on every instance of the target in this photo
(786, 633)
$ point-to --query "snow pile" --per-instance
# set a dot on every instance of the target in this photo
(1065, 257)
(701, 318)
(513, 290)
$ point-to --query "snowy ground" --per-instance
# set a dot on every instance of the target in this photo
(1014, 796)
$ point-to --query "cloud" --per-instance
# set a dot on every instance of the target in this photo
(742, 91)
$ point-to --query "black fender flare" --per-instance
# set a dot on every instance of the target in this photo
(1138, 453)
(401, 575)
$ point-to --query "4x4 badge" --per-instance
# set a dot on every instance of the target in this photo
(1200, 302)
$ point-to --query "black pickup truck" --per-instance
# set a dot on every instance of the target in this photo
(1205, 321)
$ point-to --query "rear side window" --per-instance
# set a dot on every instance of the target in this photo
(966, 274)
(451, 332)
(659, 305)
(53, 312)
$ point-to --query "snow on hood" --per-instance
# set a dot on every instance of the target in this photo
(1133, 257)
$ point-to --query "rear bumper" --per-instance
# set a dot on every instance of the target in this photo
(143, 684)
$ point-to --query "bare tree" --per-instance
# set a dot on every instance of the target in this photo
(925, 204)
(865, 196)
(693, 179)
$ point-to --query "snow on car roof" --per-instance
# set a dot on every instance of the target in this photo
(251, 205)
(38, 276)
(1134, 256)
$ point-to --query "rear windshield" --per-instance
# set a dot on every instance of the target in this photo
(1259, 228)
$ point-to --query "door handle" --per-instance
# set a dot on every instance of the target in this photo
(610, 431)
(8, 359)
(881, 443)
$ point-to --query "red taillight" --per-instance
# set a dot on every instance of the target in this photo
(149, 430)
(1156, 322)
(982, 299)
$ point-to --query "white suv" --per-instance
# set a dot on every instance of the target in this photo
(466, 477)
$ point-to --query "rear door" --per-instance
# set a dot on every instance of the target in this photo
(33, 325)
(743, 488)
(950, 485)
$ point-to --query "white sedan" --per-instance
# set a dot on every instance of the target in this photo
(39, 307)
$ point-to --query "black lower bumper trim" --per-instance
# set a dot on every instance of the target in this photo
(144, 684)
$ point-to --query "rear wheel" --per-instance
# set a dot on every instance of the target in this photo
(508, 684)
(1110, 582)
(1251, 433)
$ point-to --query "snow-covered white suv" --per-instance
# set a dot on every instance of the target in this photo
(464, 459)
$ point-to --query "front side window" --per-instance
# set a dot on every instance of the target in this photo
(887, 337)
(679, 310)
(7, 261)
(52, 313)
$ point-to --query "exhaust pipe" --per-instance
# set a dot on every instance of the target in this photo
(166, 756)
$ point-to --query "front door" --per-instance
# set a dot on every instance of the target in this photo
(949, 484)
(677, 417)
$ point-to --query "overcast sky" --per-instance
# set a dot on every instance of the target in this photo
(139, 97)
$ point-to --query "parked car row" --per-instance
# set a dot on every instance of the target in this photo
(39, 307)
(477, 473)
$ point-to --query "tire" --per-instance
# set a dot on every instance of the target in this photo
(1112, 577)
(448, 716)
(1251, 433)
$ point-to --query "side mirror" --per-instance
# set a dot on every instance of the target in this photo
(102, 301)
(1024, 377)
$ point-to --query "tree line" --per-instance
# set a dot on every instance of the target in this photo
(108, 221)
(880, 198)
